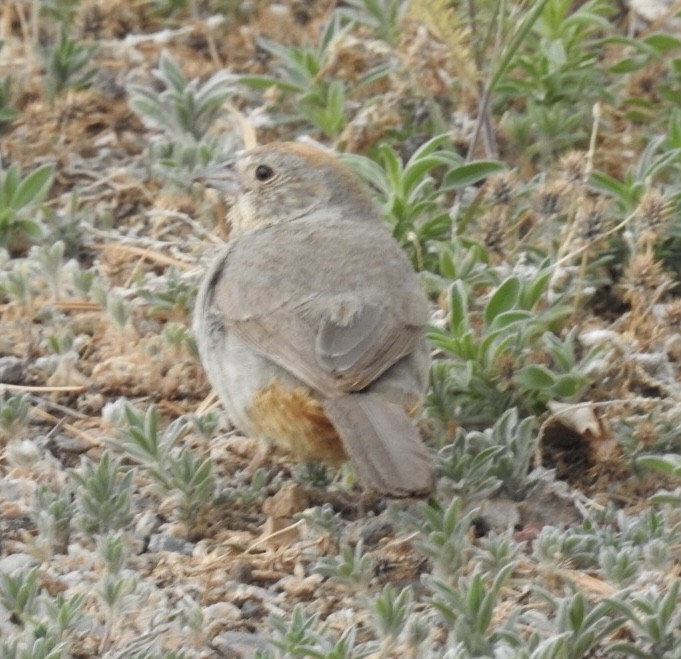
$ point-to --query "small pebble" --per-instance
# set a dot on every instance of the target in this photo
(163, 542)
(71, 444)
(239, 645)
(11, 370)
(16, 562)
(251, 609)
(222, 611)
(23, 453)
(374, 530)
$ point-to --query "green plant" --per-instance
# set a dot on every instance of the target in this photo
(65, 613)
(498, 550)
(53, 514)
(658, 51)
(245, 493)
(171, 295)
(19, 594)
(43, 647)
(297, 635)
(14, 413)
(302, 635)
(60, 11)
(653, 618)
(205, 424)
(467, 465)
(182, 108)
(468, 607)
(444, 535)
(175, 471)
(384, 17)
(324, 519)
(185, 112)
(49, 262)
(410, 192)
(115, 590)
(17, 286)
(513, 464)
(351, 567)
(390, 615)
(575, 628)
(7, 113)
(312, 474)
(68, 65)
(620, 567)
(658, 163)
(118, 308)
(103, 495)
(668, 463)
(576, 547)
(490, 352)
(19, 200)
(320, 99)
(553, 73)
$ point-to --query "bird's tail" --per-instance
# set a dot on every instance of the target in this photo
(382, 444)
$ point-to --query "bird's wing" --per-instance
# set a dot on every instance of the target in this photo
(333, 341)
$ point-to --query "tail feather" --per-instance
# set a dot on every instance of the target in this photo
(382, 444)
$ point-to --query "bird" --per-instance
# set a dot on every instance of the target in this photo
(310, 323)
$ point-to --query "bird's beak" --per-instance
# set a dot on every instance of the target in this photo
(220, 177)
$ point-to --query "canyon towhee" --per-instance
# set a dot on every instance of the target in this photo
(310, 324)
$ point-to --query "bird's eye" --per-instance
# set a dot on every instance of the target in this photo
(264, 172)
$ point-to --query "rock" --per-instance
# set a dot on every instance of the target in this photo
(164, 542)
(16, 562)
(551, 503)
(251, 609)
(304, 587)
(498, 514)
(222, 611)
(23, 454)
(239, 645)
(290, 499)
(11, 370)
(71, 444)
(241, 571)
(374, 530)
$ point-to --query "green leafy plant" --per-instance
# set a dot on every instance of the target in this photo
(53, 514)
(351, 567)
(303, 635)
(467, 608)
(68, 65)
(14, 413)
(553, 73)
(490, 352)
(576, 628)
(65, 612)
(49, 262)
(410, 192)
(174, 470)
(7, 113)
(320, 100)
(60, 11)
(659, 51)
(20, 198)
(384, 17)
(19, 594)
(103, 495)
(172, 295)
(653, 618)
(185, 112)
(444, 535)
(182, 108)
